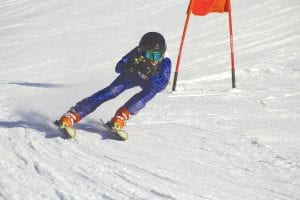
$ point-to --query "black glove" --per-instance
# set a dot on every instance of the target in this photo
(146, 69)
(140, 66)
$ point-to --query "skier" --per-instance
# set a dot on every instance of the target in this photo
(145, 66)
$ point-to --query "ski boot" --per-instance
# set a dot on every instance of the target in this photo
(118, 122)
(69, 118)
(67, 121)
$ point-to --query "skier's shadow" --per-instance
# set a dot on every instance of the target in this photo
(37, 85)
(42, 127)
(51, 131)
(42, 124)
(93, 126)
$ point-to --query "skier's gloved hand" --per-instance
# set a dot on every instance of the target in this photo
(138, 65)
(143, 67)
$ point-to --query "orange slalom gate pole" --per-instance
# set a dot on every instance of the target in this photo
(231, 46)
(181, 44)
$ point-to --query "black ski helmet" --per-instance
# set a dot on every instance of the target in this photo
(153, 41)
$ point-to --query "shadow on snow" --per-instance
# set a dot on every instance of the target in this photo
(36, 85)
(43, 124)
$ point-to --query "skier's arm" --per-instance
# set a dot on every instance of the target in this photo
(160, 80)
(125, 64)
(121, 65)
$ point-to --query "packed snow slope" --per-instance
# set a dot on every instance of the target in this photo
(205, 141)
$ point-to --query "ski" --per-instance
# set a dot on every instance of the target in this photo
(68, 131)
(71, 133)
(119, 134)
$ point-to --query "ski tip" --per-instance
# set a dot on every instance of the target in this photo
(71, 132)
(122, 134)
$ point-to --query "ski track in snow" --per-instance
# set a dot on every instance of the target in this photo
(205, 141)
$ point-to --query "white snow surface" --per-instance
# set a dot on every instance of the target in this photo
(204, 141)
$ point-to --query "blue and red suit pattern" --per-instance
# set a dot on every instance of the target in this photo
(150, 85)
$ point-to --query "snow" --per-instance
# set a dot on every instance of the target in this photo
(204, 141)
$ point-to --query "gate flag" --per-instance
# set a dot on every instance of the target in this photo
(202, 8)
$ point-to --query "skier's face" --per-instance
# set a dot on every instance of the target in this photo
(153, 63)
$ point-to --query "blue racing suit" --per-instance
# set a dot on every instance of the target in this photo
(134, 71)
